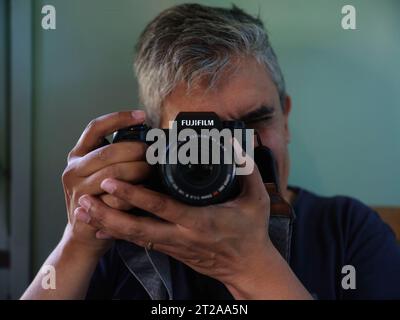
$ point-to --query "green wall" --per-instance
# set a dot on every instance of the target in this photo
(344, 86)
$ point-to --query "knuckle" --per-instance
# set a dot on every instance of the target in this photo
(92, 125)
(67, 174)
(103, 154)
(134, 232)
(98, 215)
(71, 155)
(135, 149)
(158, 205)
(115, 202)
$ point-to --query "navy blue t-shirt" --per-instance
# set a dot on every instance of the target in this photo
(328, 233)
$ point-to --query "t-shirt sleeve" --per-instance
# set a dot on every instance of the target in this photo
(372, 249)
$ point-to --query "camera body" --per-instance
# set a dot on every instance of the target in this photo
(209, 175)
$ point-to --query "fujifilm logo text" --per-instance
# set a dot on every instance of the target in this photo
(197, 123)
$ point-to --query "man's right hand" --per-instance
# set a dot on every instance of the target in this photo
(89, 163)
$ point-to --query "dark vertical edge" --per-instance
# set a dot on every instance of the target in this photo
(21, 144)
(4, 148)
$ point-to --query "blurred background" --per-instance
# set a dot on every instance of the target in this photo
(344, 85)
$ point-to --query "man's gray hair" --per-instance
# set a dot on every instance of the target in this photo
(190, 42)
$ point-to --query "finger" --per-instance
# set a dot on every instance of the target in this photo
(99, 128)
(253, 192)
(129, 171)
(82, 215)
(109, 155)
(81, 224)
(115, 203)
(252, 186)
(159, 204)
(121, 225)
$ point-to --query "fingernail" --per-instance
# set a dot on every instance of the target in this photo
(103, 235)
(138, 114)
(108, 185)
(85, 202)
(82, 215)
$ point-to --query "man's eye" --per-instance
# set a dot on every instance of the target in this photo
(258, 120)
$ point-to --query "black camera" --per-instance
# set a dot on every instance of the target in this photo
(207, 173)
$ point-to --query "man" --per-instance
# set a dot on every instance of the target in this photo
(197, 58)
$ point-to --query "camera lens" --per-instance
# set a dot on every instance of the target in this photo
(198, 183)
(199, 175)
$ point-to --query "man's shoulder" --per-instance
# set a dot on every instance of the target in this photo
(342, 217)
(339, 207)
(332, 232)
(306, 197)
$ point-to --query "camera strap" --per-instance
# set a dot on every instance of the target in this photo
(282, 215)
(281, 220)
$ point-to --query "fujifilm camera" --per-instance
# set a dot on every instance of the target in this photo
(194, 160)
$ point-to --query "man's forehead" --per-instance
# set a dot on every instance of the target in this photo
(234, 96)
(233, 109)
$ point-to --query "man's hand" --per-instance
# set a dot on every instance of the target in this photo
(89, 163)
(221, 241)
(228, 241)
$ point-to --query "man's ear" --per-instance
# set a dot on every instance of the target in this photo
(287, 107)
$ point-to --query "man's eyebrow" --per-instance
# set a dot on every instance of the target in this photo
(261, 112)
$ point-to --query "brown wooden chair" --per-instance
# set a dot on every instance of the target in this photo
(391, 215)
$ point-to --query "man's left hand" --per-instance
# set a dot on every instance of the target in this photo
(222, 241)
